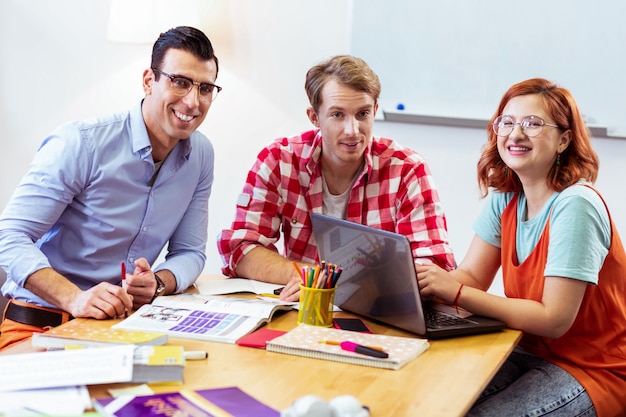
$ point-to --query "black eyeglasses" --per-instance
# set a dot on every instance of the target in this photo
(531, 125)
(181, 86)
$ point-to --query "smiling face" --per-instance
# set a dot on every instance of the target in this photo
(169, 117)
(531, 158)
(345, 118)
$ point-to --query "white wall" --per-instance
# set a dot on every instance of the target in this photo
(56, 65)
(458, 57)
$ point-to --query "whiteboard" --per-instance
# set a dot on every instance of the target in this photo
(456, 58)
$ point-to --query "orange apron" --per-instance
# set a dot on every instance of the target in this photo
(594, 349)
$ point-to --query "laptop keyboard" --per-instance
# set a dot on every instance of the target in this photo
(436, 319)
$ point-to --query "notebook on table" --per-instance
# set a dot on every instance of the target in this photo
(379, 281)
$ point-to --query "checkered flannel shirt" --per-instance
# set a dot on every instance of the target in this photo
(394, 192)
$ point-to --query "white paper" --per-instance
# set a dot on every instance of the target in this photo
(234, 285)
(66, 367)
(64, 401)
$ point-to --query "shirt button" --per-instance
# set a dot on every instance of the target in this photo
(294, 221)
(131, 260)
(144, 228)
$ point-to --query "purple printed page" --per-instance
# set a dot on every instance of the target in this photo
(232, 400)
(236, 402)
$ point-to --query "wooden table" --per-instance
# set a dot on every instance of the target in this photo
(443, 381)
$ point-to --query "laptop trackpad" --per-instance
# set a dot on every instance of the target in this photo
(448, 309)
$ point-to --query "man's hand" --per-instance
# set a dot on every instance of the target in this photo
(102, 302)
(291, 291)
(141, 284)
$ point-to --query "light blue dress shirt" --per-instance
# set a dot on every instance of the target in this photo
(85, 205)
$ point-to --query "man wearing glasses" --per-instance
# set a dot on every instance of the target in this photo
(104, 196)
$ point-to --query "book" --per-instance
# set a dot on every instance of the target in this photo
(313, 342)
(203, 317)
(217, 402)
(100, 333)
(235, 285)
(259, 338)
(158, 364)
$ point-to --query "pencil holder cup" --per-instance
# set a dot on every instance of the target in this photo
(316, 306)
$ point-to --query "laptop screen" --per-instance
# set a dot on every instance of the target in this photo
(378, 279)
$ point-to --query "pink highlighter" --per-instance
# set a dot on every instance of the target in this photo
(364, 350)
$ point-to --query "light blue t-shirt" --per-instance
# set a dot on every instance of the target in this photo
(580, 230)
(85, 205)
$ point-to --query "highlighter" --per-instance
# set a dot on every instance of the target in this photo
(364, 350)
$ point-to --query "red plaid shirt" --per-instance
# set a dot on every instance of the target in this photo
(395, 192)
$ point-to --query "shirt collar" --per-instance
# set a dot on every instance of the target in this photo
(315, 153)
(139, 132)
(141, 140)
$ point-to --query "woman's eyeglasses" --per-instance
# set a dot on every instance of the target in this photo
(531, 125)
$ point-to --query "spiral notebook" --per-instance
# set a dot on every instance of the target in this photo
(308, 341)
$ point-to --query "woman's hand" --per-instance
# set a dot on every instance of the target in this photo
(435, 282)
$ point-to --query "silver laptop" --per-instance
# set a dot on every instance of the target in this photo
(379, 281)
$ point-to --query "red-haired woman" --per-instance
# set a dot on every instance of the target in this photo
(563, 263)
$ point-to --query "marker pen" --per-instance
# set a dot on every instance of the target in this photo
(195, 355)
(124, 284)
(364, 350)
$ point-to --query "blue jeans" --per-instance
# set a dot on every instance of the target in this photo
(529, 386)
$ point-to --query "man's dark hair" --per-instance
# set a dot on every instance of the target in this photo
(187, 39)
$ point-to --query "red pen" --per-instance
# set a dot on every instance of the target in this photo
(124, 283)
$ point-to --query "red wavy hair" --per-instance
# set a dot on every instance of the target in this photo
(578, 161)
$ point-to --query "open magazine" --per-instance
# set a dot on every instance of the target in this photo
(203, 317)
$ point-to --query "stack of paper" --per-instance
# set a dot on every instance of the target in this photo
(158, 364)
(66, 367)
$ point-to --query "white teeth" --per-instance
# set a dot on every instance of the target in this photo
(518, 148)
(183, 117)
